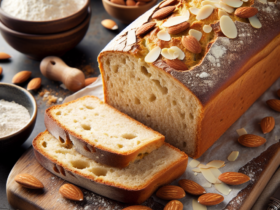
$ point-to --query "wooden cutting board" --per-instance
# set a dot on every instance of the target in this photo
(50, 199)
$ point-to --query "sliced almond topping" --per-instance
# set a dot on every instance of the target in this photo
(221, 13)
(233, 3)
(177, 20)
(198, 206)
(203, 166)
(216, 163)
(241, 131)
(153, 55)
(207, 29)
(131, 37)
(233, 156)
(226, 7)
(177, 50)
(216, 172)
(207, 185)
(222, 188)
(208, 175)
(211, 3)
(194, 10)
(196, 170)
(193, 163)
(196, 34)
(228, 27)
(255, 22)
(204, 12)
(164, 35)
(195, 173)
(165, 53)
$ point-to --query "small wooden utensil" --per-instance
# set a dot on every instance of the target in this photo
(55, 69)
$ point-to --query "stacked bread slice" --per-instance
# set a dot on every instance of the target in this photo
(91, 144)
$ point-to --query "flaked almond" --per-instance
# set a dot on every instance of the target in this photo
(71, 192)
(267, 124)
(210, 199)
(176, 64)
(274, 104)
(234, 178)
(1, 70)
(145, 28)
(178, 28)
(278, 93)
(191, 44)
(130, 3)
(246, 12)
(90, 80)
(174, 205)
(163, 12)
(21, 77)
(28, 181)
(109, 24)
(251, 140)
(121, 2)
(170, 192)
(137, 207)
(168, 3)
(191, 187)
(4, 56)
(34, 84)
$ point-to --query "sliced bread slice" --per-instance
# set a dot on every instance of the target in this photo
(100, 132)
(133, 184)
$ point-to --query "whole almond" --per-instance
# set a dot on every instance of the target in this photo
(191, 187)
(234, 178)
(145, 28)
(130, 3)
(163, 12)
(90, 80)
(168, 3)
(137, 207)
(121, 2)
(4, 56)
(109, 24)
(21, 77)
(28, 181)
(267, 124)
(34, 84)
(274, 104)
(177, 64)
(278, 93)
(178, 28)
(246, 12)
(170, 192)
(191, 44)
(140, 3)
(174, 205)
(71, 192)
(1, 70)
(210, 199)
(251, 140)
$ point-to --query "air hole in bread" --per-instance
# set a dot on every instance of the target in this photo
(184, 126)
(148, 115)
(79, 164)
(88, 106)
(112, 170)
(162, 89)
(61, 140)
(191, 116)
(184, 144)
(98, 171)
(107, 77)
(96, 114)
(61, 152)
(129, 136)
(115, 68)
(62, 171)
(69, 110)
(58, 113)
(145, 71)
(81, 108)
(111, 84)
(137, 101)
(108, 62)
(95, 140)
(55, 169)
(174, 103)
(120, 146)
(123, 61)
(75, 121)
(44, 144)
(152, 98)
(138, 142)
(182, 115)
(86, 127)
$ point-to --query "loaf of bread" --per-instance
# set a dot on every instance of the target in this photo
(226, 59)
(100, 132)
(133, 184)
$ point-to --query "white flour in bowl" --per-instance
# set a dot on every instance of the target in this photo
(13, 117)
(41, 10)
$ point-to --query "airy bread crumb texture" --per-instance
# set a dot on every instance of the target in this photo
(100, 124)
(151, 97)
(135, 176)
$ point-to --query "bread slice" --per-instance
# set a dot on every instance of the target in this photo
(100, 132)
(133, 184)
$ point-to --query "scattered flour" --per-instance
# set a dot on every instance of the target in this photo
(204, 75)
(13, 117)
(41, 10)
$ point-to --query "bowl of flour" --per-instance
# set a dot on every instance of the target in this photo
(43, 16)
(18, 112)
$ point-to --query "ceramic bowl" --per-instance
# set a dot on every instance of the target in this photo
(39, 46)
(126, 14)
(44, 27)
(10, 92)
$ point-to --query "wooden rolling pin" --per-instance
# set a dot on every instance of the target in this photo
(55, 69)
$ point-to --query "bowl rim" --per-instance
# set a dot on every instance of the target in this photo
(49, 36)
(40, 22)
(129, 7)
(32, 118)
